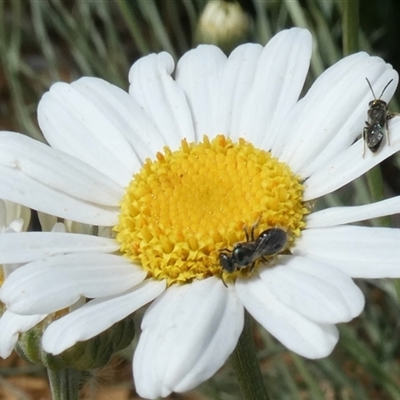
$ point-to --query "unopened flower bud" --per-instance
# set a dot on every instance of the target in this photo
(89, 354)
(224, 24)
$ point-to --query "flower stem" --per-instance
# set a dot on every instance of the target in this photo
(377, 192)
(246, 366)
(64, 383)
(350, 27)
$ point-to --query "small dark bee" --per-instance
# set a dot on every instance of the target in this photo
(377, 124)
(269, 243)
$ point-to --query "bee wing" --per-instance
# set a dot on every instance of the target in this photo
(270, 242)
(375, 135)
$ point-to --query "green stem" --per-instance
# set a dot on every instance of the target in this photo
(350, 27)
(246, 366)
(64, 383)
(377, 192)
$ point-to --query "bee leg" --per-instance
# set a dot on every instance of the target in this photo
(252, 266)
(253, 228)
(229, 251)
(246, 231)
(252, 231)
(387, 133)
(389, 116)
(387, 130)
(364, 136)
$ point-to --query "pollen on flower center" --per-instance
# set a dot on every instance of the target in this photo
(181, 209)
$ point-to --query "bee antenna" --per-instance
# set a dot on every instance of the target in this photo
(385, 88)
(372, 90)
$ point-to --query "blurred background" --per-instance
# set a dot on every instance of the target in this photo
(43, 41)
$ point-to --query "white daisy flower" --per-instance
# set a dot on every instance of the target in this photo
(13, 218)
(179, 167)
(23, 332)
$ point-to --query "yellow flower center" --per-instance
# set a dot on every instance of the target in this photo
(183, 208)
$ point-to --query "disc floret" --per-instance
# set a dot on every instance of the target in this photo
(182, 208)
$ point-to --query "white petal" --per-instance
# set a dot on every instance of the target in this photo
(57, 282)
(13, 215)
(235, 82)
(60, 227)
(277, 82)
(316, 290)
(344, 215)
(350, 164)
(16, 225)
(296, 332)
(188, 334)
(361, 252)
(161, 97)
(57, 170)
(29, 246)
(128, 118)
(16, 186)
(48, 180)
(98, 315)
(11, 325)
(198, 73)
(72, 121)
(122, 131)
(332, 114)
